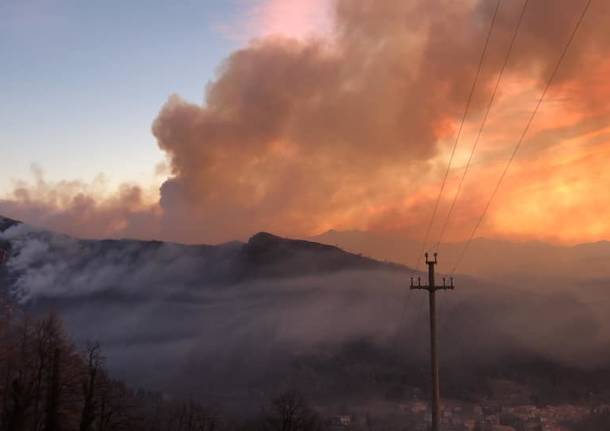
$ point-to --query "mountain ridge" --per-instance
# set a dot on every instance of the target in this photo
(247, 317)
(486, 258)
(264, 255)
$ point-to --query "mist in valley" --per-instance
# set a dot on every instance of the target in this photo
(238, 321)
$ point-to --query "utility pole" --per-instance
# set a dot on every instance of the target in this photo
(432, 288)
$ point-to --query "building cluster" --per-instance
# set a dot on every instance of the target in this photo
(461, 416)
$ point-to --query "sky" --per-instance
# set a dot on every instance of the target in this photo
(81, 83)
(206, 121)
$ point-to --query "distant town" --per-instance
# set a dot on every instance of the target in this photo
(490, 415)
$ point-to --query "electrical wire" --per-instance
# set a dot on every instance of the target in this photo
(523, 134)
(482, 125)
(408, 294)
(459, 133)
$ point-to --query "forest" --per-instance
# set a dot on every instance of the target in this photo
(47, 384)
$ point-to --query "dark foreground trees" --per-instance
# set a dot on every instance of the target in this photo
(290, 412)
(47, 385)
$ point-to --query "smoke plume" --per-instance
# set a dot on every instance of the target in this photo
(174, 317)
(352, 129)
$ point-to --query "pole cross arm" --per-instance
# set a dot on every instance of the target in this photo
(418, 285)
(447, 285)
(429, 261)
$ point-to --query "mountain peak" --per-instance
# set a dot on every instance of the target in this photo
(267, 242)
(268, 254)
(263, 237)
(6, 222)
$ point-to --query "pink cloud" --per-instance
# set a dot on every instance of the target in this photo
(293, 18)
(298, 19)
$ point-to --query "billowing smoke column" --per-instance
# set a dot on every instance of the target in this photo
(296, 136)
(349, 131)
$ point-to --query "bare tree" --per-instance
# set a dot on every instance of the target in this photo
(93, 363)
(290, 412)
(19, 382)
(47, 385)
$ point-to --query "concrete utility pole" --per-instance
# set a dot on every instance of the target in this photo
(432, 288)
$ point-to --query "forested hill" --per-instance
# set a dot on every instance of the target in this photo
(42, 259)
(233, 321)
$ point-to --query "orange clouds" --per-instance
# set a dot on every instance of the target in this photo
(352, 131)
(562, 196)
(83, 210)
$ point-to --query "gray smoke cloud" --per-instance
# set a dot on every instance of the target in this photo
(192, 320)
(296, 136)
(344, 131)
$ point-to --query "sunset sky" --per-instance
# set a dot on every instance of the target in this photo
(206, 121)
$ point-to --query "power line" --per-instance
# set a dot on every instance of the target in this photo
(459, 133)
(457, 138)
(431, 221)
(483, 124)
(523, 134)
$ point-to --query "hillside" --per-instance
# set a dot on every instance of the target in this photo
(488, 258)
(114, 265)
(234, 321)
